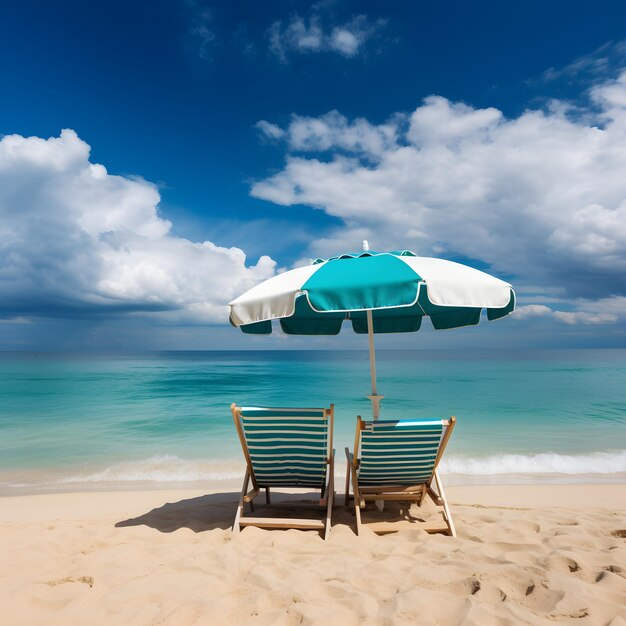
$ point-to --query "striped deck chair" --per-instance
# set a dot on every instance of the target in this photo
(286, 447)
(398, 461)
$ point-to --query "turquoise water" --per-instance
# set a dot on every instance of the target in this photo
(89, 418)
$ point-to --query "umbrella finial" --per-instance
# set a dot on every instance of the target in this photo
(366, 246)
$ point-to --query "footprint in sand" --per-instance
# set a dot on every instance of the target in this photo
(85, 580)
(489, 593)
(574, 615)
(474, 586)
(614, 569)
(563, 563)
(539, 597)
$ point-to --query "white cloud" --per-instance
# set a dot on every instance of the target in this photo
(15, 320)
(302, 35)
(532, 310)
(76, 238)
(603, 311)
(540, 197)
(333, 131)
(271, 131)
(610, 96)
(601, 62)
(344, 41)
(201, 35)
(442, 122)
(583, 317)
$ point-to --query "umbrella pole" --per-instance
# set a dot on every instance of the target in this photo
(375, 398)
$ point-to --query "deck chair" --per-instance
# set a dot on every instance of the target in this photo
(398, 461)
(286, 447)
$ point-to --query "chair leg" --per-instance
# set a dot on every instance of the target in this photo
(358, 501)
(357, 515)
(236, 528)
(267, 496)
(446, 509)
(423, 495)
(347, 492)
(330, 495)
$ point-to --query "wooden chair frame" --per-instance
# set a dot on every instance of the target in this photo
(405, 493)
(326, 495)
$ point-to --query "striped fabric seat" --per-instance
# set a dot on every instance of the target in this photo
(287, 447)
(397, 460)
(399, 452)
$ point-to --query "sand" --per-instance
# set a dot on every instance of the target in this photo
(524, 555)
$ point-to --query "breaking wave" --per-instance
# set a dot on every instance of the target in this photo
(173, 469)
(169, 468)
(166, 469)
(613, 462)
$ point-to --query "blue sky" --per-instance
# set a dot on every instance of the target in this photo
(257, 125)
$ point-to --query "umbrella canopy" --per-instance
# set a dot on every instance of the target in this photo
(377, 292)
(399, 288)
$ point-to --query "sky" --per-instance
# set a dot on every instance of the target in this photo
(158, 159)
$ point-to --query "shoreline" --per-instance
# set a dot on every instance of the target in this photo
(8, 490)
(520, 496)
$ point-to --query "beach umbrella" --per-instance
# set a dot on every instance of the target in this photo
(375, 292)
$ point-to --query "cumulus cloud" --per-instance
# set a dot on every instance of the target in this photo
(333, 131)
(594, 312)
(532, 310)
(310, 35)
(583, 317)
(540, 197)
(603, 311)
(75, 239)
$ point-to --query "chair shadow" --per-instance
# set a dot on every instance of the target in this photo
(211, 511)
(216, 510)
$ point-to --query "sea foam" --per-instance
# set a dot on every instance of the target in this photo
(496, 467)
(165, 469)
(169, 468)
(608, 462)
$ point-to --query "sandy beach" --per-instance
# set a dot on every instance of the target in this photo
(524, 555)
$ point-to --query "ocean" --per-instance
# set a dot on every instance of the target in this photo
(90, 421)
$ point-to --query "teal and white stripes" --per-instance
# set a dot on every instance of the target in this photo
(288, 447)
(399, 452)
